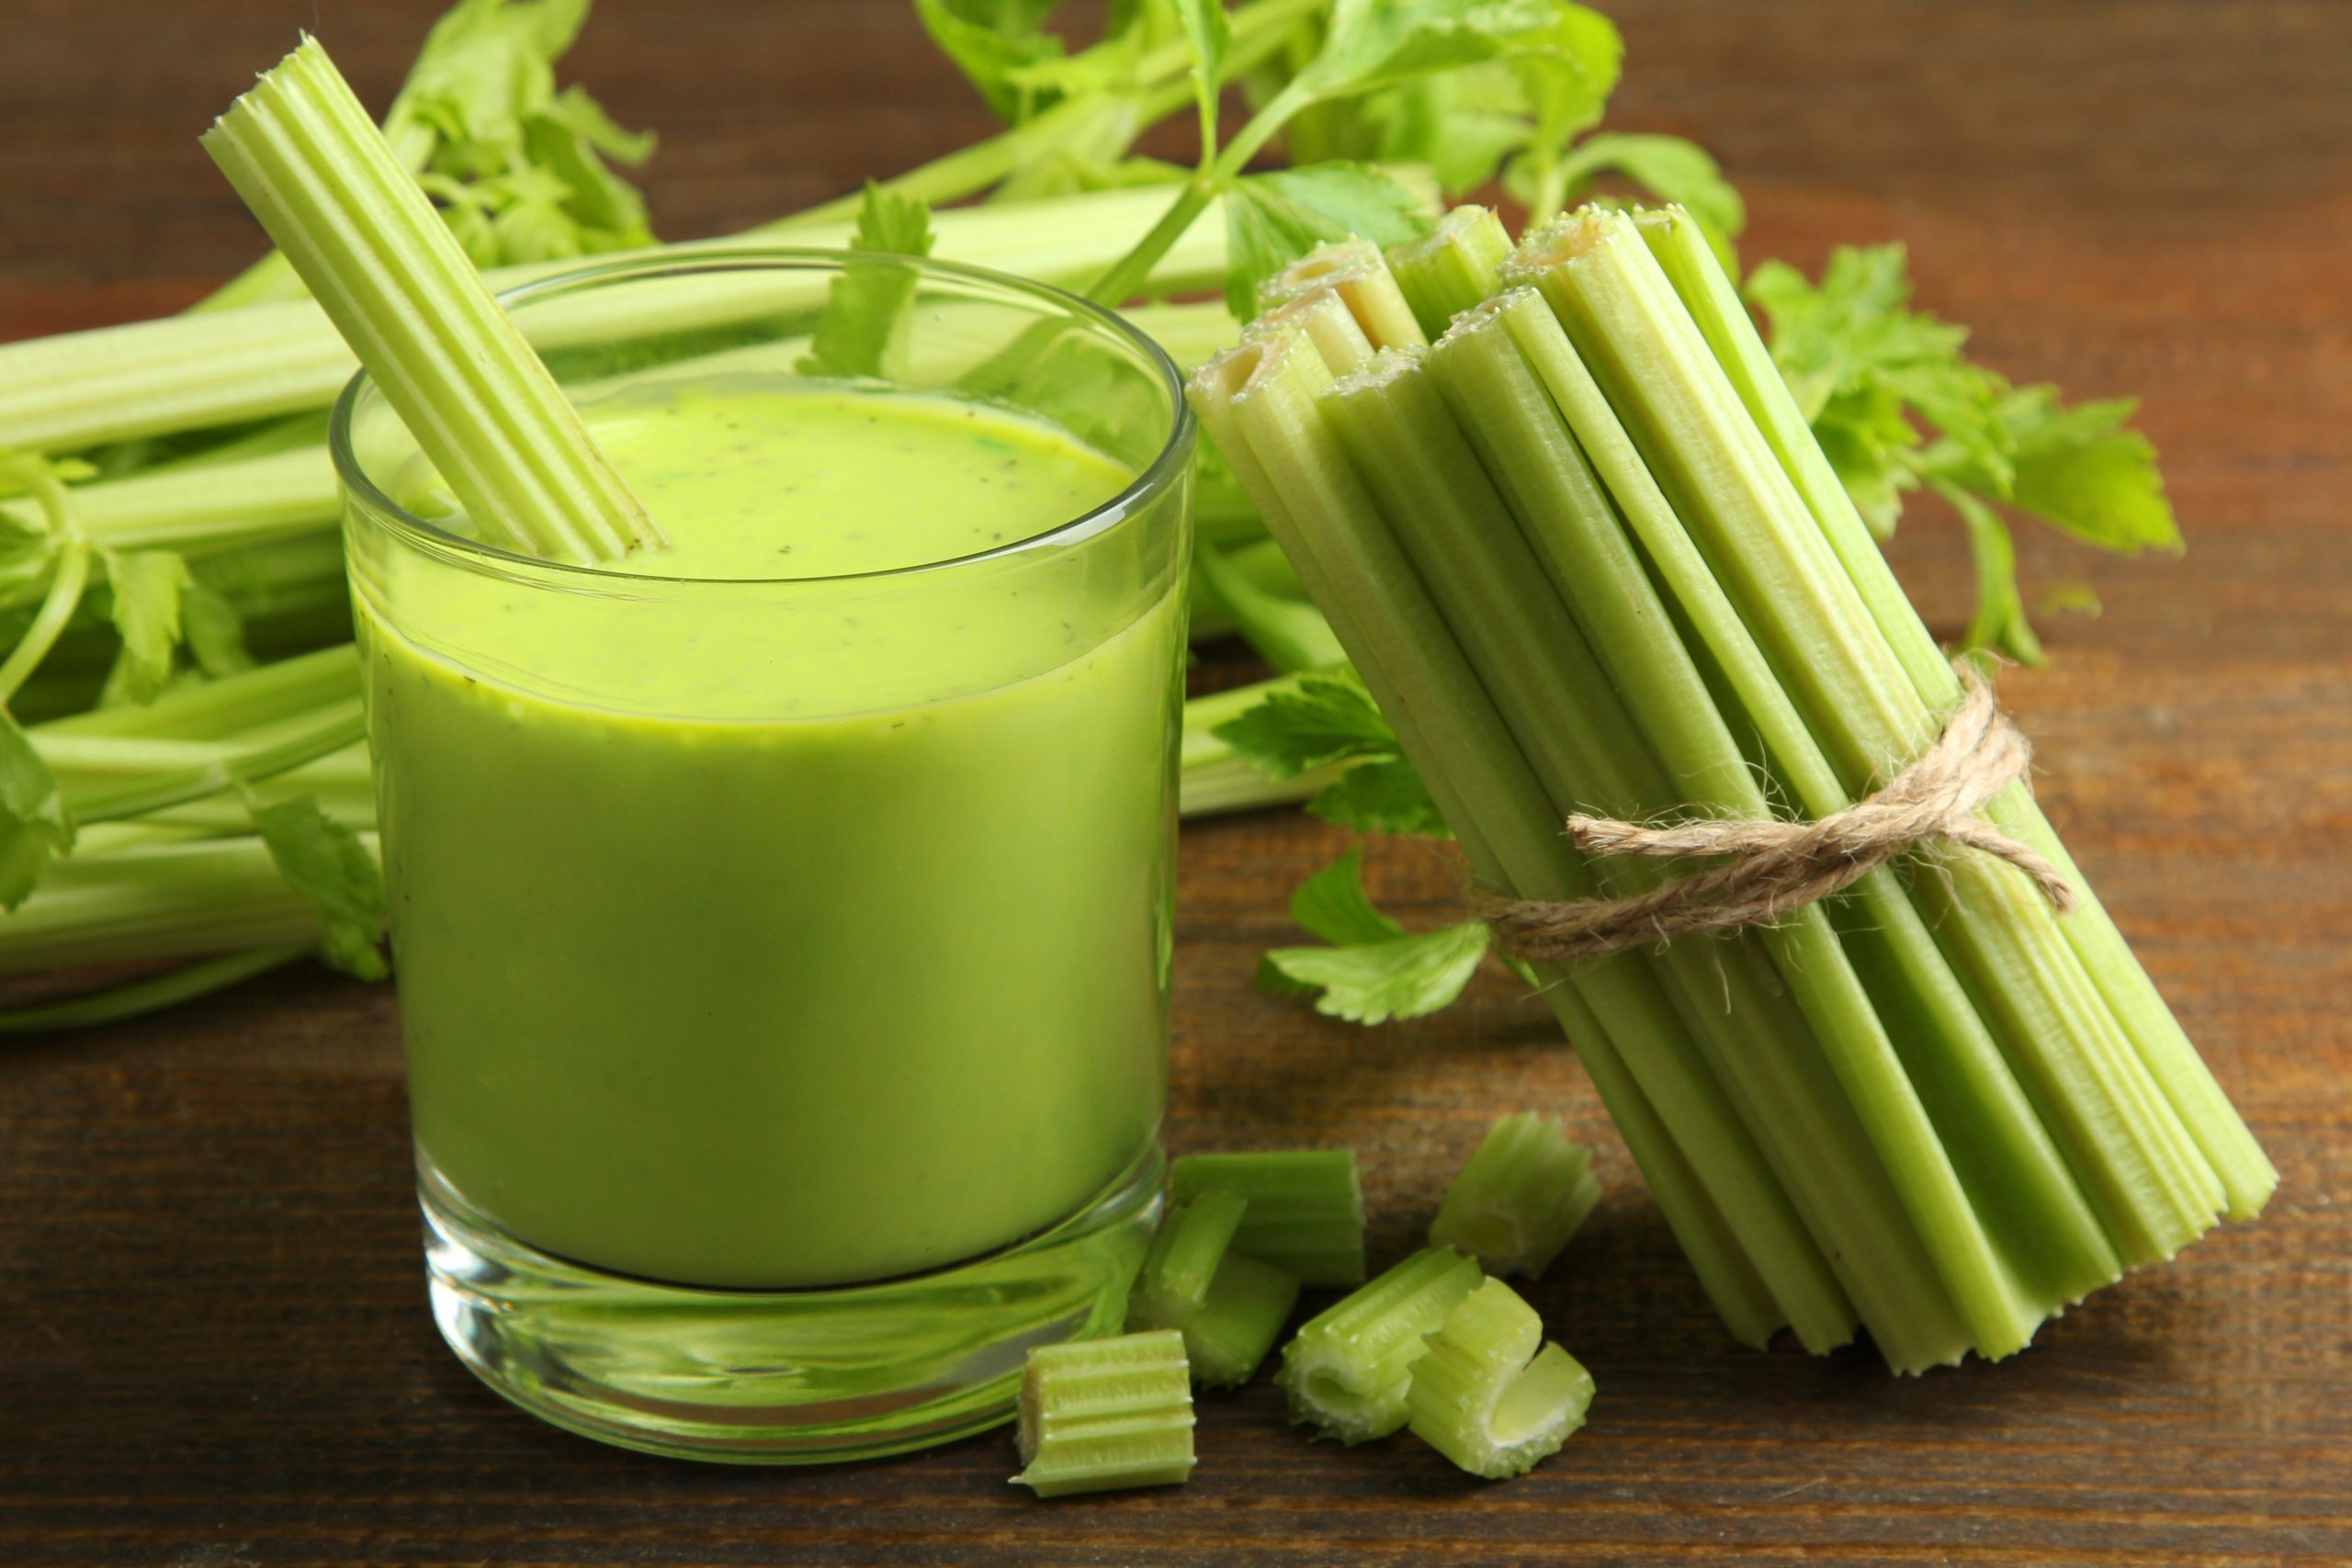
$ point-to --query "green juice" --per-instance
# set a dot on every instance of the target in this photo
(757, 941)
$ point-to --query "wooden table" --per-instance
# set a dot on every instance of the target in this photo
(213, 1347)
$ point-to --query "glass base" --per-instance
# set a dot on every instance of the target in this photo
(781, 1377)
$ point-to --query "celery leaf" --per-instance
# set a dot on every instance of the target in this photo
(1332, 904)
(1273, 219)
(145, 587)
(1382, 795)
(35, 825)
(1327, 719)
(1331, 718)
(995, 43)
(1209, 38)
(1896, 404)
(1374, 970)
(1668, 168)
(327, 864)
(863, 327)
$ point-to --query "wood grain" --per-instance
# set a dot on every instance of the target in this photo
(215, 1347)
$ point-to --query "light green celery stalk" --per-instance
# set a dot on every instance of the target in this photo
(1106, 1415)
(1818, 1084)
(1348, 1371)
(78, 389)
(216, 507)
(387, 272)
(1305, 1207)
(151, 993)
(1452, 267)
(1212, 777)
(1489, 1393)
(1509, 362)
(1259, 403)
(2154, 1190)
(2246, 1173)
(118, 902)
(1229, 1308)
(1523, 1193)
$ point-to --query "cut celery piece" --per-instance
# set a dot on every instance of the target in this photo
(1519, 1199)
(1305, 1208)
(1247, 1303)
(1192, 1241)
(1347, 1371)
(1106, 1415)
(388, 273)
(1486, 1397)
(1229, 1308)
(1452, 267)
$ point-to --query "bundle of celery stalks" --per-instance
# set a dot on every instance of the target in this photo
(1586, 555)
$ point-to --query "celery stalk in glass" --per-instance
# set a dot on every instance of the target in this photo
(400, 289)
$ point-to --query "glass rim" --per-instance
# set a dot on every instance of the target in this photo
(1154, 478)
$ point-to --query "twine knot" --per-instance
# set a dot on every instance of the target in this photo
(1775, 867)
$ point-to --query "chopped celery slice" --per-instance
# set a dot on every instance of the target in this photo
(1486, 1397)
(1177, 1273)
(1452, 267)
(1305, 1208)
(1247, 1303)
(1229, 1308)
(1519, 1199)
(307, 159)
(1347, 1372)
(1106, 1415)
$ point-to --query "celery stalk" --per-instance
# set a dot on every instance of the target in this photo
(1489, 1394)
(2246, 1173)
(78, 389)
(1305, 1207)
(1106, 1415)
(400, 289)
(1521, 1197)
(1247, 1303)
(1452, 267)
(150, 994)
(1174, 1282)
(1352, 270)
(1347, 1370)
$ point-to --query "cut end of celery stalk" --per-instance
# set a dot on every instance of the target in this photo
(1486, 1397)
(1519, 1199)
(1306, 1211)
(1452, 268)
(1106, 1415)
(1347, 1372)
(316, 172)
(1229, 1308)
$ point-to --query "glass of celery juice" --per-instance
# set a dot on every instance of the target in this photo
(781, 918)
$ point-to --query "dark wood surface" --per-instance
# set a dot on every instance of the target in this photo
(213, 1347)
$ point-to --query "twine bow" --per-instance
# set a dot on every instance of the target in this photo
(1778, 867)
